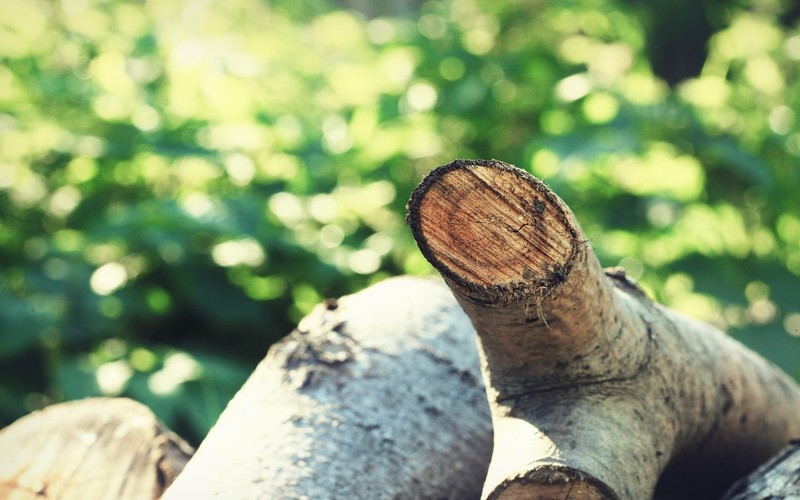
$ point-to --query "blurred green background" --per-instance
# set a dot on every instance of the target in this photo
(182, 180)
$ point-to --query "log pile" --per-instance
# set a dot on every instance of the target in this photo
(593, 390)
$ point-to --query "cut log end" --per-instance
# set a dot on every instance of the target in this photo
(477, 222)
(552, 483)
(91, 448)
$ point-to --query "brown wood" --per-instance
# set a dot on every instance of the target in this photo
(454, 216)
(90, 449)
(592, 386)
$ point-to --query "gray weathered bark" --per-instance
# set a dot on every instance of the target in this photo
(376, 395)
(594, 389)
(779, 478)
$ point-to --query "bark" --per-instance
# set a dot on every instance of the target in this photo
(594, 390)
(778, 478)
(376, 395)
(94, 448)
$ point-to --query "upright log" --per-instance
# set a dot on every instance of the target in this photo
(595, 390)
(374, 395)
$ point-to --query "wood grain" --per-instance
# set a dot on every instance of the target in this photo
(491, 228)
(99, 448)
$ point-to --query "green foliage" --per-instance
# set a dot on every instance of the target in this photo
(180, 182)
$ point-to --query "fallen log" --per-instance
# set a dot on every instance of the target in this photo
(100, 448)
(595, 391)
(778, 478)
(375, 395)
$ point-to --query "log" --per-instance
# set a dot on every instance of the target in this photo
(595, 391)
(99, 448)
(778, 478)
(374, 395)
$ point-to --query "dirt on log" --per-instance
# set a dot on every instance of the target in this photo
(595, 391)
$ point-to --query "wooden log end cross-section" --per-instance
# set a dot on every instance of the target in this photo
(96, 448)
(595, 391)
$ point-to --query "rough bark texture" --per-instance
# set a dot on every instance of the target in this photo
(376, 395)
(779, 478)
(94, 448)
(594, 389)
